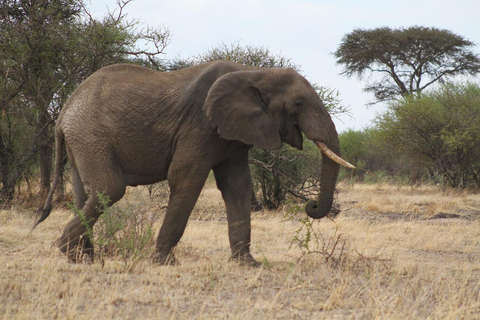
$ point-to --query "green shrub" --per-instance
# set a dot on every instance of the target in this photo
(439, 131)
(127, 234)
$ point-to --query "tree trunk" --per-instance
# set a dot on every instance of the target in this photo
(45, 169)
(254, 203)
(45, 155)
(61, 184)
(8, 186)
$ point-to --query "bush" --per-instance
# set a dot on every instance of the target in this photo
(127, 234)
(283, 172)
(375, 160)
(440, 131)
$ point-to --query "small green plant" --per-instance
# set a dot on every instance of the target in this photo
(121, 233)
(266, 263)
(311, 241)
(334, 249)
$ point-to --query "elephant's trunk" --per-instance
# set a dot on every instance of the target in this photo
(330, 167)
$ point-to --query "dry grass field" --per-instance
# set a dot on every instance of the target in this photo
(392, 253)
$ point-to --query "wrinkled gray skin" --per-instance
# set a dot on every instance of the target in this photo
(127, 125)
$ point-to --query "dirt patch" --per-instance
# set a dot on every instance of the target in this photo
(443, 215)
(402, 216)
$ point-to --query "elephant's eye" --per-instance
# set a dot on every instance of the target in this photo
(298, 105)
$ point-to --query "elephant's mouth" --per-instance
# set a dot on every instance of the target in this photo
(293, 136)
(330, 154)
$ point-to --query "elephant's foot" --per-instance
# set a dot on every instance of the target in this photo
(77, 251)
(165, 259)
(245, 260)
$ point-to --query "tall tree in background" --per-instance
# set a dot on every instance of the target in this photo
(47, 47)
(246, 55)
(407, 60)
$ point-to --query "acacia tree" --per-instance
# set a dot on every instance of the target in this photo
(407, 60)
(47, 47)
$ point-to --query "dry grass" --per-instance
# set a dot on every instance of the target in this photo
(393, 253)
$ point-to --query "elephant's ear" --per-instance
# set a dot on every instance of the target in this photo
(238, 108)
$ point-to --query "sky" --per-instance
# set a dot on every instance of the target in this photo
(306, 31)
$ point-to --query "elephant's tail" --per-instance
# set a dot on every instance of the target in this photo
(44, 211)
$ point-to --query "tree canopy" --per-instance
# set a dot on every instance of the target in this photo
(246, 54)
(408, 60)
(47, 47)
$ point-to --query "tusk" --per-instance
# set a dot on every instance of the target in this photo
(329, 153)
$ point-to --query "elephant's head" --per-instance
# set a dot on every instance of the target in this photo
(266, 107)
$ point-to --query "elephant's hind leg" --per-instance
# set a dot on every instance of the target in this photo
(76, 242)
(79, 194)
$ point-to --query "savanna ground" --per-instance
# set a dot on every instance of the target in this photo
(392, 253)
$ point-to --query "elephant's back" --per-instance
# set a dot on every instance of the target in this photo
(124, 110)
(113, 93)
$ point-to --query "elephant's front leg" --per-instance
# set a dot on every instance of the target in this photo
(234, 181)
(186, 183)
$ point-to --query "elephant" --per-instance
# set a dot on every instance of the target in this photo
(128, 125)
